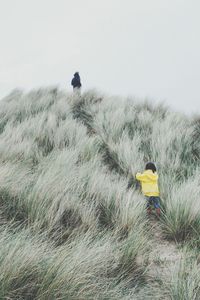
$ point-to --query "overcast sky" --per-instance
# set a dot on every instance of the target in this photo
(145, 48)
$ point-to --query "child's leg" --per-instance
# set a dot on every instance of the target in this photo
(148, 205)
(149, 210)
(156, 203)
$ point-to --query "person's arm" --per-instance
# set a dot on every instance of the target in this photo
(133, 183)
(79, 81)
(139, 176)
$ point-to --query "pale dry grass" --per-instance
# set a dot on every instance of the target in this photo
(65, 162)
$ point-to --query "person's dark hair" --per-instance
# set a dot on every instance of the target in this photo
(150, 166)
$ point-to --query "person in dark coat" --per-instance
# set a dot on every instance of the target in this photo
(76, 82)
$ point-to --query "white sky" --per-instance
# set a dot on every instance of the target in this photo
(146, 48)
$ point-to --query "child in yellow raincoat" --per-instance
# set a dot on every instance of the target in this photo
(149, 183)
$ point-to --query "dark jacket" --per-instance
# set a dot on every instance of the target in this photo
(76, 81)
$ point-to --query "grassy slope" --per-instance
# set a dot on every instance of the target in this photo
(69, 227)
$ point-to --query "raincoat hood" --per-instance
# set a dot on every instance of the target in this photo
(76, 75)
(150, 175)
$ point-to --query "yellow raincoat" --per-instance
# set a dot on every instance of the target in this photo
(149, 182)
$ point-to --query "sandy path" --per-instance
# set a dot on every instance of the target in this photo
(164, 255)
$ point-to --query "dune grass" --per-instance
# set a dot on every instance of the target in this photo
(185, 279)
(73, 222)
